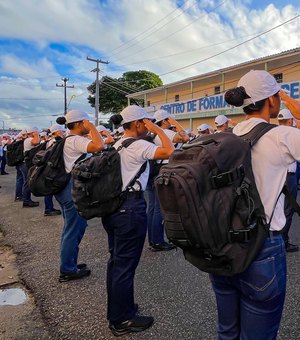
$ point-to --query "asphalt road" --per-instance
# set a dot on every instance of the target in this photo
(178, 295)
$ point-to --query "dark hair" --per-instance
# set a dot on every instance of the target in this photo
(237, 96)
(254, 107)
(61, 120)
(71, 126)
(116, 119)
(159, 123)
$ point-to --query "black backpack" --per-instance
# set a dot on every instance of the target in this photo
(29, 155)
(215, 214)
(97, 183)
(48, 176)
(15, 153)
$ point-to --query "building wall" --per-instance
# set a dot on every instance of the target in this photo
(191, 92)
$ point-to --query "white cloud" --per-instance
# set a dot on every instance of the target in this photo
(17, 66)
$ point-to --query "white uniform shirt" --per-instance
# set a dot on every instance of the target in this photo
(170, 134)
(27, 144)
(271, 156)
(132, 159)
(293, 167)
(74, 147)
(50, 142)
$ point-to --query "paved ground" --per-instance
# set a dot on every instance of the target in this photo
(167, 287)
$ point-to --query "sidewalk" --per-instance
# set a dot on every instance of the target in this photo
(169, 288)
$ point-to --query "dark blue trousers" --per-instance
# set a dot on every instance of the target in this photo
(25, 190)
(250, 304)
(48, 201)
(3, 162)
(19, 182)
(126, 230)
(155, 222)
(291, 182)
(73, 231)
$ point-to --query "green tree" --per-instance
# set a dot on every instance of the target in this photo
(113, 91)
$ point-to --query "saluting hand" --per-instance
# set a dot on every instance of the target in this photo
(87, 124)
(292, 104)
(151, 126)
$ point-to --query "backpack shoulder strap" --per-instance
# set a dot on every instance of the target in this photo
(257, 132)
(125, 144)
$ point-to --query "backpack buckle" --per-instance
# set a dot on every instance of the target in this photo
(243, 235)
(227, 178)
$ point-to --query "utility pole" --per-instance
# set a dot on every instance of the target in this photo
(97, 61)
(64, 85)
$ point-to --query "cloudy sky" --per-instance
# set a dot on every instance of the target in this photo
(43, 41)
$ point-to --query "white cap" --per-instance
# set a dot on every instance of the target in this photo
(32, 129)
(56, 127)
(23, 132)
(259, 85)
(43, 133)
(76, 116)
(132, 113)
(203, 127)
(101, 128)
(221, 120)
(161, 114)
(120, 129)
(284, 114)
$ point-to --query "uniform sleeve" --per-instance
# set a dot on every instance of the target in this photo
(170, 134)
(144, 150)
(81, 143)
(289, 143)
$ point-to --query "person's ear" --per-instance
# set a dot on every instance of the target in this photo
(272, 101)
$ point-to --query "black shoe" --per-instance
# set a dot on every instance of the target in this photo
(165, 246)
(53, 212)
(30, 204)
(4, 173)
(137, 324)
(290, 248)
(81, 265)
(64, 277)
(136, 308)
(18, 198)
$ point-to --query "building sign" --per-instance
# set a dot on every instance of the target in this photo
(218, 102)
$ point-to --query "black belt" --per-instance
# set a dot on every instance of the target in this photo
(134, 194)
(273, 233)
(291, 173)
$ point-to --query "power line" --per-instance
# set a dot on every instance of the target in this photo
(235, 81)
(121, 84)
(64, 85)
(97, 70)
(188, 51)
(148, 29)
(158, 29)
(153, 103)
(231, 48)
(168, 36)
(115, 88)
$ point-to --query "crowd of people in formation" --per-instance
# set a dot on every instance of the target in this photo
(243, 312)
